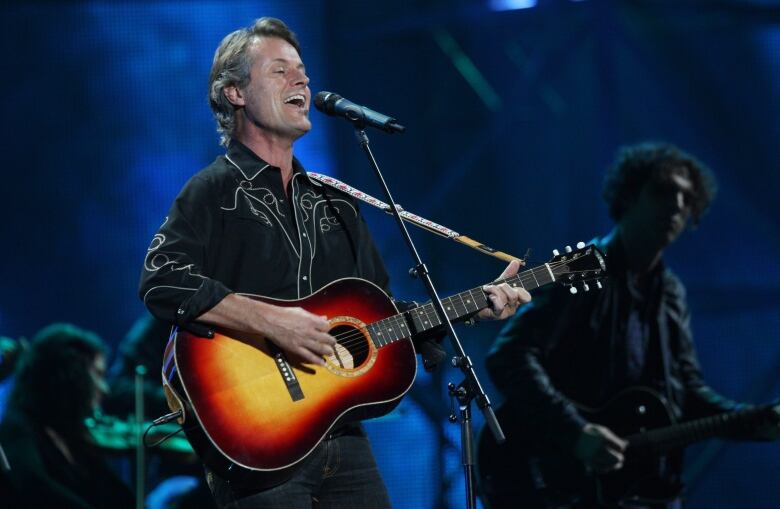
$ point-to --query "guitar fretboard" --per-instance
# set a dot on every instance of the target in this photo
(461, 305)
(686, 433)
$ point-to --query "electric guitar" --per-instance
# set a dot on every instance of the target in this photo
(543, 477)
(251, 413)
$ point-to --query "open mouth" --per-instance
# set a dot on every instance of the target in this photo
(297, 100)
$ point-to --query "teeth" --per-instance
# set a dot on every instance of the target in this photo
(297, 97)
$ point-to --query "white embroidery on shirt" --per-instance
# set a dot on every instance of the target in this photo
(242, 171)
(156, 259)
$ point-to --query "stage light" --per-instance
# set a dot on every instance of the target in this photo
(509, 5)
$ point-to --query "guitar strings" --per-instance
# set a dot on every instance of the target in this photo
(356, 339)
(524, 277)
(356, 336)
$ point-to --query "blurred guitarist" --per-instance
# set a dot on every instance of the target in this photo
(10, 350)
(59, 383)
(635, 332)
(253, 223)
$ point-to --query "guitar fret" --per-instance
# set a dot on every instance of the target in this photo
(532, 271)
(450, 307)
(387, 331)
(517, 280)
(546, 275)
(460, 304)
(392, 330)
(432, 316)
(416, 321)
(403, 331)
(468, 303)
(375, 330)
(399, 327)
(426, 322)
(480, 299)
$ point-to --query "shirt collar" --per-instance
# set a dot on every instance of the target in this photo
(251, 165)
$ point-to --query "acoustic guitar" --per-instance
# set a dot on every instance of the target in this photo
(252, 414)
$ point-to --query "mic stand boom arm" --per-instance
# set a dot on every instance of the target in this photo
(470, 388)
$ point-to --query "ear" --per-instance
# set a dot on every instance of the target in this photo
(234, 95)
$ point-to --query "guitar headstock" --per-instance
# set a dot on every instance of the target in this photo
(577, 268)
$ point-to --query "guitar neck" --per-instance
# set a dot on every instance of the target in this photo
(686, 433)
(462, 305)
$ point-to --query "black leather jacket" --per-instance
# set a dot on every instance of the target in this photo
(563, 347)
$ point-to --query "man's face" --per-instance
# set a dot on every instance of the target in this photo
(277, 96)
(662, 209)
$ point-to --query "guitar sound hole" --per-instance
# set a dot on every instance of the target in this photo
(351, 348)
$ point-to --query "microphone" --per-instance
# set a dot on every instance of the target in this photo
(336, 106)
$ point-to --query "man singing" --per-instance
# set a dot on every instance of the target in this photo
(253, 223)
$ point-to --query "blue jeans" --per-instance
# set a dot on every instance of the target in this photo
(340, 473)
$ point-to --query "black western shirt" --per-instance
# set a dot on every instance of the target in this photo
(233, 228)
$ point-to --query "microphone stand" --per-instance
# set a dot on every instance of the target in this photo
(5, 467)
(140, 451)
(469, 389)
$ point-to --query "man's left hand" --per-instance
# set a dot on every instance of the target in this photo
(504, 299)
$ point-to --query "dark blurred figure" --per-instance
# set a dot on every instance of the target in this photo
(59, 383)
(10, 350)
(588, 348)
(144, 345)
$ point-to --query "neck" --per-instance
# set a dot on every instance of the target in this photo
(273, 149)
(641, 255)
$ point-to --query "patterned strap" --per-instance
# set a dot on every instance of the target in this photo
(414, 219)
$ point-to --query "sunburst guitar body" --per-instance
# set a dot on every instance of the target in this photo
(253, 413)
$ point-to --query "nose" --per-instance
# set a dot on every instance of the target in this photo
(299, 78)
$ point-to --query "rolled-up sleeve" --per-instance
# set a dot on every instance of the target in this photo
(175, 285)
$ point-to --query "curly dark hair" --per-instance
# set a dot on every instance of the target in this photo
(53, 382)
(636, 165)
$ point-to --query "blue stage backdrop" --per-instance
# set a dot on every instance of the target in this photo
(512, 117)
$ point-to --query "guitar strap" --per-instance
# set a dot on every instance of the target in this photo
(414, 219)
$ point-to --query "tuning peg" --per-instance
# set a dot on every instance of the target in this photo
(573, 290)
(585, 287)
(580, 245)
(598, 285)
(556, 252)
(567, 249)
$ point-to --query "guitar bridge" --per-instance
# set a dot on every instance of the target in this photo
(288, 375)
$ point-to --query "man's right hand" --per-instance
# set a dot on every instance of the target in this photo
(300, 333)
(600, 449)
(294, 330)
